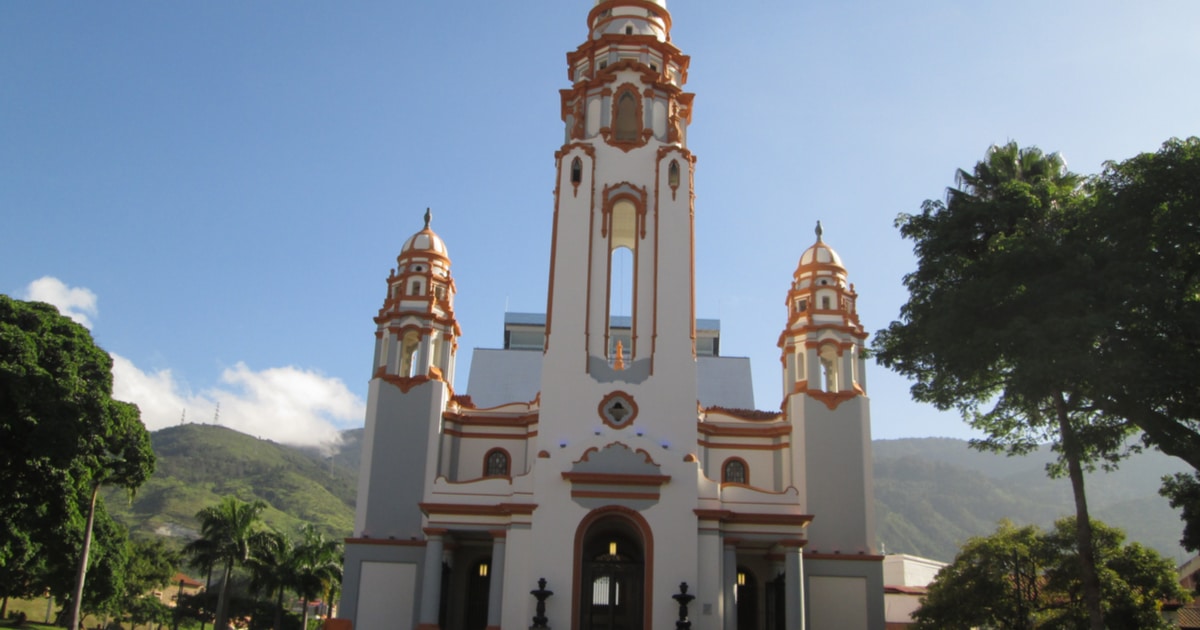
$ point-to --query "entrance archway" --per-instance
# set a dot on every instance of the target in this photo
(613, 552)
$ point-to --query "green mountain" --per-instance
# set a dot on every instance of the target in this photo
(198, 464)
(931, 494)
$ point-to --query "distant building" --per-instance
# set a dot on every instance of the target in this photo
(616, 452)
(1187, 616)
(179, 585)
(906, 580)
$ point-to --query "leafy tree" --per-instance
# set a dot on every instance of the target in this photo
(1018, 578)
(62, 436)
(1147, 228)
(150, 566)
(989, 584)
(227, 530)
(1000, 319)
(1184, 493)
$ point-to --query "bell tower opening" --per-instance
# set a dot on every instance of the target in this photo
(627, 126)
(622, 278)
(408, 353)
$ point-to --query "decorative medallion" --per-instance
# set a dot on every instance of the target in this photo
(618, 410)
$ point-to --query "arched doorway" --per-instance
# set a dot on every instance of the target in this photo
(612, 574)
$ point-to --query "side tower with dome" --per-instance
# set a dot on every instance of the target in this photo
(609, 447)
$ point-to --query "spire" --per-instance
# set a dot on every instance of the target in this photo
(429, 215)
(819, 230)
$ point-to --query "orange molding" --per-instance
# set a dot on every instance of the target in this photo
(859, 557)
(385, 541)
(615, 479)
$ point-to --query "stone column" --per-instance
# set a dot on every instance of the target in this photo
(813, 373)
(431, 584)
(793, 577)
(496, 583)
(729, 582)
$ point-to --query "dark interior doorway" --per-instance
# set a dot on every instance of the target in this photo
(479, 583)
(612, 577)
(747, 600)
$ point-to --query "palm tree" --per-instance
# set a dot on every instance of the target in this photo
(273, 568)
(229, 527)
(318, 567)
(1007, 172)
(203, 555)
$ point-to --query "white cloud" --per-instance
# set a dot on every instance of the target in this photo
(77, 303)
(289, 405)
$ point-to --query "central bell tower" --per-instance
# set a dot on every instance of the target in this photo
(622, 256)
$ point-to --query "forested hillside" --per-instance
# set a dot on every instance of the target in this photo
(932, 494)
(198, 464)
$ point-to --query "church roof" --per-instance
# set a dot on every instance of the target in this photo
(499, 377)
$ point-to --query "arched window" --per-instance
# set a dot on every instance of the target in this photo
(627, 126)
(576, 171)
(673, 174)
(408, 353)
(496, 463)
(734, 471)
(830, 364)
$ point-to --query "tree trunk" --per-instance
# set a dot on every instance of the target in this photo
(304, 624)
(220, 623)
(279, 610)
(1083, 523)
(207, 588)
(73, 622)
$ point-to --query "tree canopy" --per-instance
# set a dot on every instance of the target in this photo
(1145, 229)
(1000, 321)
(61, 435)
(1018, 578)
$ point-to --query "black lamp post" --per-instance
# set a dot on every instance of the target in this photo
(684, 599)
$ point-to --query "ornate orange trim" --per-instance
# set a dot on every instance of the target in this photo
(860, 557)
(384, 541)
(615, 479)
(633, 412)
(717, 430)
(607, 494)
(596, 449)
(502, 509)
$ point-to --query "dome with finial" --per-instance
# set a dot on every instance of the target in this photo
(820, 255)
(425, 242)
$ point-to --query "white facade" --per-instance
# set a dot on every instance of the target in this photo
(614, 455)
(905, 580)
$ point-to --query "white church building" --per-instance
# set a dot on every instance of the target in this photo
(616, 457)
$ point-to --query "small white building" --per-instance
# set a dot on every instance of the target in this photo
(616, 454)
(905, 581)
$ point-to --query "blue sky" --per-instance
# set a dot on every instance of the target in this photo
(220, 188)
